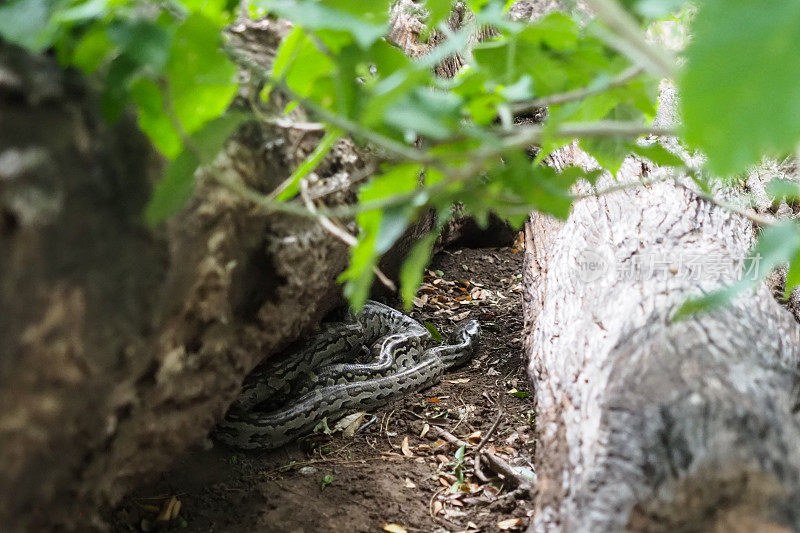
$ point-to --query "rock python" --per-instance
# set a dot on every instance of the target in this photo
(323, 380)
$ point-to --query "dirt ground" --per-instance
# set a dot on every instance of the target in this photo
(396, 474)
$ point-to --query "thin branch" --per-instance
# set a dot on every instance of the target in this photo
(340, 233)
(449, 437)
(628, 38)
(397, 148)
(500, 466)
(285, 123)
(335, 230)
(528, 135)
(752, 216)
(311, 162)
(489, 433)
(261, 200)
(578, 94)
(622, 187)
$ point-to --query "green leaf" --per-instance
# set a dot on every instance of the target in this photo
(780, 190)
(171, 193)
(792, 276)
(143, 41)
(217, 10)
(82, 11)
(322, 428)
(376, 12)
(653, 9)
(307, 69)
(520, 394)
(116, 88)
(411, 272)
(27, 23)
(287, 52)
(430, 113)
(92, 49)
(540, 187)
(557, 30)
(201, 78)
(327, 480)
(438, 10)
(153, 118)
(310, 163)
(460, 452)
(739, 89)
(657, 154)
(379, 228)
(317, 16)
(435, 335)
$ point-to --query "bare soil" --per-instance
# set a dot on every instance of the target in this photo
(387, 474)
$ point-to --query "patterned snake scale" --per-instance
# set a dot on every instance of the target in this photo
(319, 382)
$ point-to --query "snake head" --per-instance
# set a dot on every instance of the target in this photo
(469, 331)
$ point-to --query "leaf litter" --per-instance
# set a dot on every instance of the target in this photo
(395, 472)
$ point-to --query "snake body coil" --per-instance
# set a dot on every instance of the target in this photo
(319, 381)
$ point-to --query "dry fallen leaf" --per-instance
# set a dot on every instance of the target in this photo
(425, 430)
(459, 317)
(437, 507)
(474, 437)
(405, 449)
(170, 510)
(410, 484)
(349, 424)
(394, 528)
(435, 400)
(510, 523)
(458, 381)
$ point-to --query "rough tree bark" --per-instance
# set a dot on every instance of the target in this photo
(644, 423)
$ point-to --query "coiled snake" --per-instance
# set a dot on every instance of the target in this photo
(322, 380)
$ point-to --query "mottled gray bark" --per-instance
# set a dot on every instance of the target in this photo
(122, 345)
(644, 423)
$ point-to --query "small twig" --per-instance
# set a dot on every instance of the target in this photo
(259, 199)
(516, 494)
(449, 437)
(623, 187)
(578, 94)
(311, 162)
(324, 221)
(291, 125)
(340, 233)
(627, 37)
(476, 461)
(489, 433)
(500, 466)
(478, 471)
(748, 214)
(529, 135)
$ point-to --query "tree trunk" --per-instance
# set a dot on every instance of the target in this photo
(645, 423)
(123, 345)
